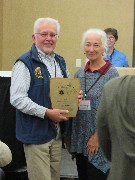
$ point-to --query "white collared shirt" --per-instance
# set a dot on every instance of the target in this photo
(20, 85)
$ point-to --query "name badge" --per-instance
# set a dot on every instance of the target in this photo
(85, 105)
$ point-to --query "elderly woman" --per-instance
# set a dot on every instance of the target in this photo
(117, 58)
(90, 161)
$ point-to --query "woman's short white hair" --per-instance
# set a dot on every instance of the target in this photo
(48, 19)
(95, 31)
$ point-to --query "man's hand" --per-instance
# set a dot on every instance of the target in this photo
(56, 115)
(92, 145)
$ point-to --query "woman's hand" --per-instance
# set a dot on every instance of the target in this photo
(93, 145)
(80, 96)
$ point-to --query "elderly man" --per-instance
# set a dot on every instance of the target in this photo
(39, 126)
(116, 126)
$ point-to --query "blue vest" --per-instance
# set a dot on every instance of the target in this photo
(32, 129)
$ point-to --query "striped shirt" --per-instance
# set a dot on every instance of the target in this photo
(20, 85)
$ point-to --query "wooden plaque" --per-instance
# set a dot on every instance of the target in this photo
(64, 94)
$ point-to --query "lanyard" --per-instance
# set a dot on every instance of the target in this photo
(86, 91)
(55, 67)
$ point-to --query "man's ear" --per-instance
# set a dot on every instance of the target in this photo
(33, 37)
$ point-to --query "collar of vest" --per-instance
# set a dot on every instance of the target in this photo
(34, 53)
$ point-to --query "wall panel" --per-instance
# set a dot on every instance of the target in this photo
(75, 17)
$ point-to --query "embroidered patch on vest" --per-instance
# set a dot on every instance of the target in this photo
(38, 72)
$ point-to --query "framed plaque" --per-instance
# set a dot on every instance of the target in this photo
(64, 94)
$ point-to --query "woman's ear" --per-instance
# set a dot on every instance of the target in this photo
(103, 50)
(104, 55)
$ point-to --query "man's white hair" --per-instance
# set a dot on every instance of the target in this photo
(48, 19)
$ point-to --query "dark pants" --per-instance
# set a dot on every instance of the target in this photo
(86, 171)
(16, 175)
(2, 175)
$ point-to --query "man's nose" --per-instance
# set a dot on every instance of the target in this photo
(48, 37)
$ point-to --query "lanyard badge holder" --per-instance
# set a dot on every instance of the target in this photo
(85, 104)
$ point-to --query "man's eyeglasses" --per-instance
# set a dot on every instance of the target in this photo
(45, 35)
(110, 37)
